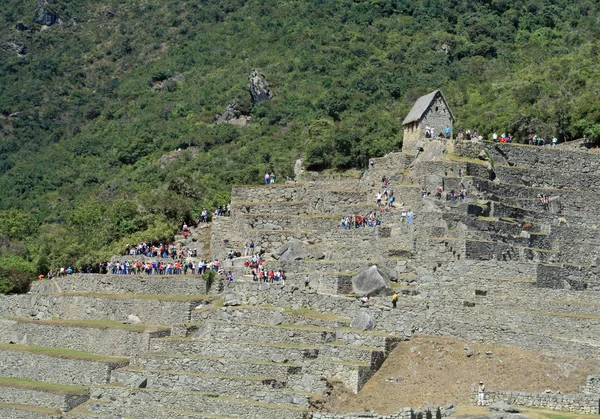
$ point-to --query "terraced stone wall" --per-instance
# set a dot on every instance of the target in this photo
(576, 403)
(108, 341)
(121, 284)
(150, 311)
(39, 398)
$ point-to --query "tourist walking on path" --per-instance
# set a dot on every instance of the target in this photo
(481, 394)
(394, 299)
(410, 216)
(267, 177)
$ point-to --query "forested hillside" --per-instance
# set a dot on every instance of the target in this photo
(82, 130)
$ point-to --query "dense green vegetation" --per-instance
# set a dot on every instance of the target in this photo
(82, 132)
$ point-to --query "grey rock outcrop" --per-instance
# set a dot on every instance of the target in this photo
(171, 81)
(45, 17)
(291, 250)
(277, 318)
(503, 407)
(372, 281)
(233, 115)
(363, 321)
(259, 87)
(132, 319)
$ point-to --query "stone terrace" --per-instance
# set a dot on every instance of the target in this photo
(259, 350)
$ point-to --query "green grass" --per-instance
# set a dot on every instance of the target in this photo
(61, 353)
(457, 158)
(24, 384)
(95, 324)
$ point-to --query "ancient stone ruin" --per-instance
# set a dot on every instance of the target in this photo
(502, 267)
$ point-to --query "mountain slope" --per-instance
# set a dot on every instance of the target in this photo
(82, 130)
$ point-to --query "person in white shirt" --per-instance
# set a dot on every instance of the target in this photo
(481, 394)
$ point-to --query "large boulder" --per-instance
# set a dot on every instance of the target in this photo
(291, 250)
(259, 87)
(502, 406)
(45, 17)
(234, 114)
(372, 281)
(363, 321)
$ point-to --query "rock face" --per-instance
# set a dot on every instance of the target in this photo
(363, 321)
(292, 250)
(45, 17)
(169, 83)
(503, 407)
(259, 87)
(372, 281)
(132, 319)
(233, 115)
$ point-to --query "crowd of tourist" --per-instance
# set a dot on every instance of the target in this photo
(533, 139)
(360, 221)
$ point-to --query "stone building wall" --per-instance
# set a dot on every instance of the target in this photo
(437, 116)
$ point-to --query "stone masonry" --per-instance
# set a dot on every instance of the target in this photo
(501, 267)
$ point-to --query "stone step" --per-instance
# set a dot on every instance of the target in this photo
(293, 208)
(354, 375)
(291, 334)
(500, 209)
(98, 336)
(547, 177)
(56, 365)
(41, 394)
(146, 403)
(270, 315)
(267, 193)
(216, 365)
(99, 409)
(295, 391)
(286, 221)
(150, 308)
(334, 351)
(24, 411)
(470, 328)
(122, 284)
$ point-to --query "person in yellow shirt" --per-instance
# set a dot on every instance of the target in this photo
(394, 299)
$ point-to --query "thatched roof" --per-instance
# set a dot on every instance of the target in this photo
(422, 105)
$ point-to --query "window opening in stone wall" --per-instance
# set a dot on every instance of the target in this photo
(436, 108)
